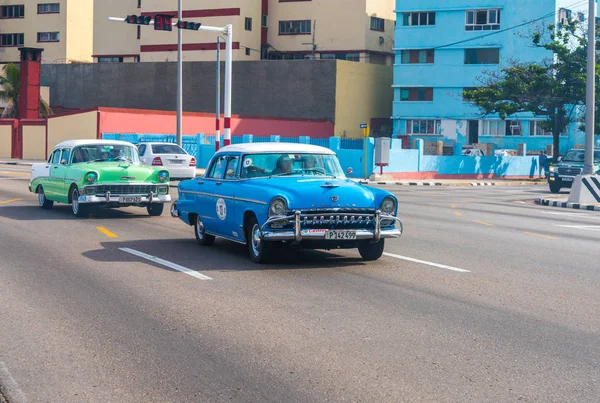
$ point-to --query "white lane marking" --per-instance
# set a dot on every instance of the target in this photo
(440, 266)
(10, 388)
(166, 263)
(584, 227)
(582, 215)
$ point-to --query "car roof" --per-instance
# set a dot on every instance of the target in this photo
(157, 143)
(74, 143)
(275, 147)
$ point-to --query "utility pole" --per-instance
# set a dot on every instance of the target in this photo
(218, 127)
(228, 83)
(590, 104)
(179, 77)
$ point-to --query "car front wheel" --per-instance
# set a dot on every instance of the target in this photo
(43, 202)
(260, 251)
(371, 251)
(155, 209)
(201, 236)
(79, 210)
(555, 187)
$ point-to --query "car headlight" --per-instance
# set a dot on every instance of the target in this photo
(388, 205)
(552, 168)
(91, 177)
(163, 190)
(277, 207)
(163, 176)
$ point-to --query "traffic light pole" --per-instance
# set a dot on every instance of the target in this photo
(590, 107)
(179, 78)
(227, 31)
(218, 122)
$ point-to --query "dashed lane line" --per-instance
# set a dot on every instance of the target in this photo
(540, 235)
(166, 263)
(106, 232)
(10, 201)
(457, 213)
(483, 223)
(439, 266)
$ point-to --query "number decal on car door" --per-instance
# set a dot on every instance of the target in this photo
(221, 209)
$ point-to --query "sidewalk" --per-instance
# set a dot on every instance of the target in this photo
(21, 162)
(458, 182)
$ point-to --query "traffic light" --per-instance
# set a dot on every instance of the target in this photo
(139, 20)
(188, 25)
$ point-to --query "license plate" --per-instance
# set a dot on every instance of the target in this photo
(176, 161)
(567, 179)
(130, 199)
(340, 234)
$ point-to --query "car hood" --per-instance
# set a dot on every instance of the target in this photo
(121, 172)
(310, 192)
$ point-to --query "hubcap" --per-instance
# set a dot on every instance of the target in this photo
(256, 241)
(199, 228)
(41, 197)
(75, 201)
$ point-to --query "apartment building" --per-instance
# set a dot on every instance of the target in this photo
(263, 29)
(63, 28)
(442, 50)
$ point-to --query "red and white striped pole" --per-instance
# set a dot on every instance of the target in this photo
(218, 117)
(228, 65)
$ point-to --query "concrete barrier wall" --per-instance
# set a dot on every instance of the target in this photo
(34, 140)
(71, 127)
(6, 138)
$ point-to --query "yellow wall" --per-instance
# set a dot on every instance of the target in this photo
(72, 127)
(34, 142)
(45, 94)
(114, 38)
(363, 91)
(5, 141)
(79, 30)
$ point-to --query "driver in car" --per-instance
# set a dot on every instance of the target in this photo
(284, 165)
(310, 162)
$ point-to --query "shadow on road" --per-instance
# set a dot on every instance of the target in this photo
(223, 256)
(63, 211)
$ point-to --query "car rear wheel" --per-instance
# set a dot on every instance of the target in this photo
(201, 236)
(155, 209)
(555, 187)
(371, 251)
(260, 251)
(79, 210)
(43, 202)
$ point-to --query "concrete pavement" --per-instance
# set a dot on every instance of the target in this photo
(90, 322)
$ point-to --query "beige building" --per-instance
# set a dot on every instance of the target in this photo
(63, 28)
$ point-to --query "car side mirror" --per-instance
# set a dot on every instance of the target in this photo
(230, 173)
(349, 171)
(559, 159)
(63, 162)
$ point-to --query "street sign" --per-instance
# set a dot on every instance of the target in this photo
(163, 22)
(363, 125)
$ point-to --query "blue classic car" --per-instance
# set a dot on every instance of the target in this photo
(262, 194)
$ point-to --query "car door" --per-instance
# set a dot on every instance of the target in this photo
(210, 197)
(227, 191)
(51, 186)
(58, 174)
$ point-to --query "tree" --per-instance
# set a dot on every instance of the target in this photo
(551, 89)
(10, 85)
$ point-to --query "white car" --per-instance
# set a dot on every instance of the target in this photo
(180, 164)
(473, 152)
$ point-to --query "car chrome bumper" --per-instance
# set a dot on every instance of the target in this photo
(144, 199)
(298, 234)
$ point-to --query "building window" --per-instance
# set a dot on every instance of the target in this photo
(13, 11)
(482, 20)
(139, 3)
(536, 128)
(420, 56)
(377, 24)
(49, 8)
(416, 19)
(248, 24)
(494, 128)
(264, 21)
(416, 94)
(47, 37)
(482, 56)
(139, 32)
(294, 27)
(110, 59)
(424, 127)
(564, 16)
(353, 57)
(7, 40)
(514, 128)
(247, 51)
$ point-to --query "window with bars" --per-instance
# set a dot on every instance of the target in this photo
(419, 56)
(377, 24)
(424, 126)
(7, 40)
(482, 20)
(418, 19)
(297, 27)
(49, 8)
(16, 11)
(482, 56)
(248, 24)
(110, 59)
(420, 94)
(48, 37)
(494, 127)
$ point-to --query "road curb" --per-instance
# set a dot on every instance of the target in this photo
(576, 206)
(397, 183)
(405, 183)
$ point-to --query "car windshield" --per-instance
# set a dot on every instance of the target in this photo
(579, 156)
(285, 164)
(104, 152)
(167, 149)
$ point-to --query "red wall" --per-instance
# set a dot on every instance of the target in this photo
(114, 120)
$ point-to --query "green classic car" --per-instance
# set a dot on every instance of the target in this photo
(563, 173)
(104, 173)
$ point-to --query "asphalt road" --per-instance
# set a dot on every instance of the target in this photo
(486, 298)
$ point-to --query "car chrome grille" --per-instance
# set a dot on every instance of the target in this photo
(569, 171)
(337, 218)
(125, 189)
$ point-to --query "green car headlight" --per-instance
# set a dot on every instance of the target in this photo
(388, 205)
(163, 190)
(91, 177)
(163, 176)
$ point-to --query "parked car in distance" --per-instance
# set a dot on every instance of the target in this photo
(180, 164)
(505, 153)
(103, 173)
(263, 194)
(562, 174)
(473, 152)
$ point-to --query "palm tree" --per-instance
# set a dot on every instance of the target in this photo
(10, 85)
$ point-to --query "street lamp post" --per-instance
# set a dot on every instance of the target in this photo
(179, 77)
(218, 127)
(590, 107)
